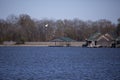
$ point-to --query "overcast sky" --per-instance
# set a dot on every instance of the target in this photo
(62, 9)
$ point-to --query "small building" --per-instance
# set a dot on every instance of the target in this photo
(99, 40)
(62, 41)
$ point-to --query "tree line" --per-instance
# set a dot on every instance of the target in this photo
(23, 28)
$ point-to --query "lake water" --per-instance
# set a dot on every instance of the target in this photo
(59, 63)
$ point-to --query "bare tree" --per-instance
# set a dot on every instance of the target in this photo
(23, 28)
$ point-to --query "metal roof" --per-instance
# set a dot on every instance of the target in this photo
(63, 39)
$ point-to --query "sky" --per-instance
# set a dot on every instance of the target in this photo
(62, 9)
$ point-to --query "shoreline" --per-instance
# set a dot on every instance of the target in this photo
(24, 45)
(27, 45)
(39, 45)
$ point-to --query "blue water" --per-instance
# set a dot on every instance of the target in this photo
(59, 63)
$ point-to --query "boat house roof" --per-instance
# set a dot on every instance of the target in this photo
(63, 39)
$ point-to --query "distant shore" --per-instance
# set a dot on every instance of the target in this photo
(54, 44)
(25, 45)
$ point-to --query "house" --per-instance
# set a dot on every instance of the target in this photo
(105, 40)
(100, 40)
(92, 40)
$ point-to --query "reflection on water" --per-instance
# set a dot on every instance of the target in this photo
(59, 63)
